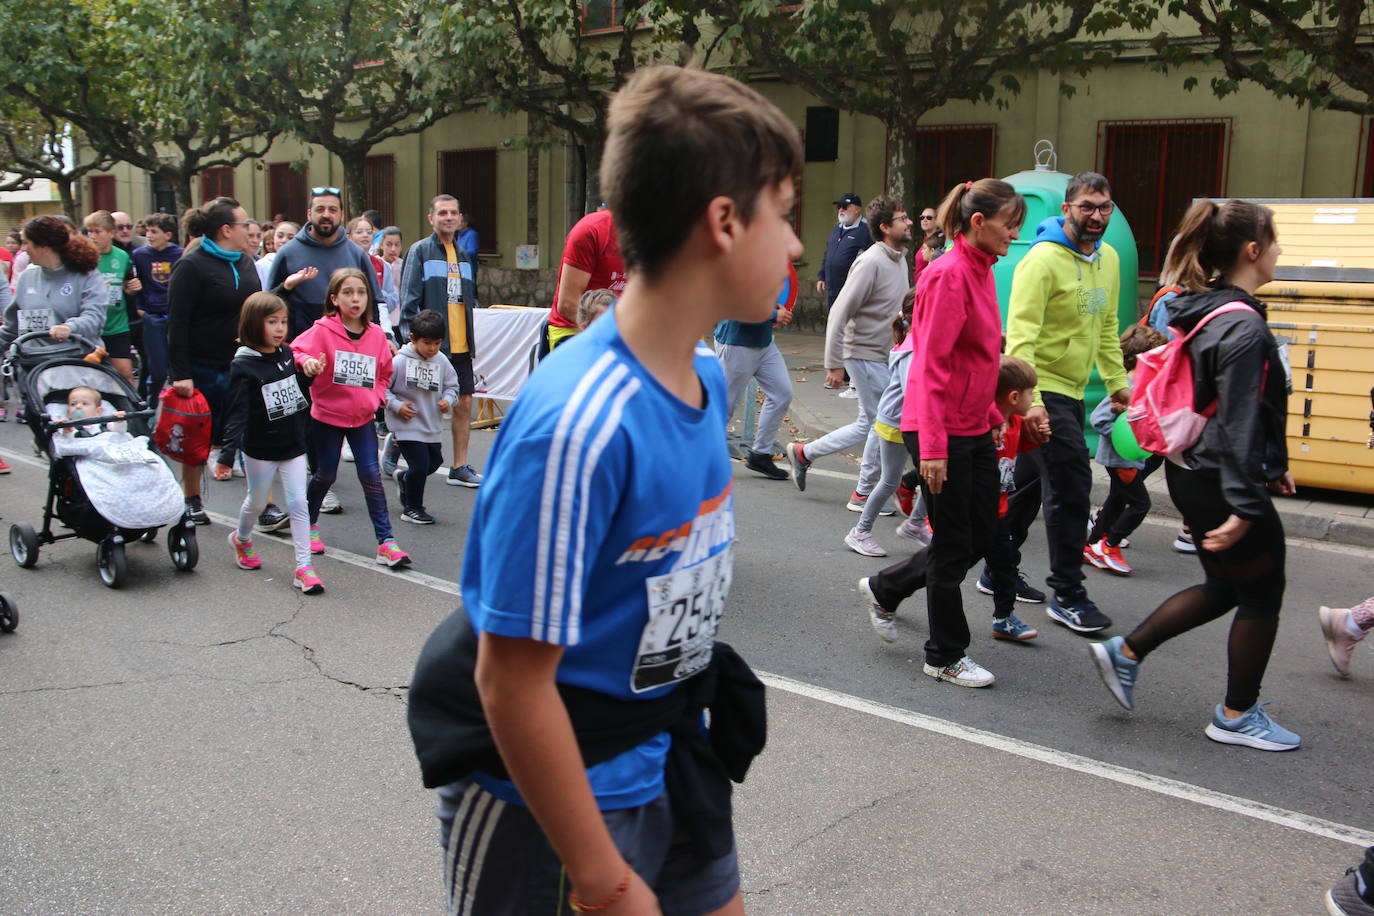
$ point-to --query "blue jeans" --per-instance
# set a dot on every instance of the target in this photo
(326, 445)
(154, 352)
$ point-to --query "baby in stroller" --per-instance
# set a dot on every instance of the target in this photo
(83, 402)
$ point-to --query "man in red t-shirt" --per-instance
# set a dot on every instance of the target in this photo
(591, 260)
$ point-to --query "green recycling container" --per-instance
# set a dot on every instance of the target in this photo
(1043, 190)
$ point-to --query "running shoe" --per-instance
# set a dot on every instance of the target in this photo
(418, 517)
(1118, 672)
(1340, 641)
(905, 497)
(464, 476)
(1090, 556)
(883, 621)
(1254, 728)
(4, 414)
(1344, 897)
(1183, 543)
(195, 511)
(316, 545)
(391, 455)
(858, 500)
(1014, 628)
(244, 554)
(1024, 590)
(965, 673)
(400, 477)
(763, 463)
(390, 555)
(914, 531)
(1078, 613)
(849, 393)
(4, 467)
(306, 580)
(796, 459)
(863, 542)
(272, 519)
(330, 504)
(1111, 558)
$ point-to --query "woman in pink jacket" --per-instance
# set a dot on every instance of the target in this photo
(948, 418)
(355, 372)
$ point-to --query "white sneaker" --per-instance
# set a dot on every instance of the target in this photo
(913, 531)
(849, 393)
(965, 672)
(883, 621)
(863, 542)
(330, 505)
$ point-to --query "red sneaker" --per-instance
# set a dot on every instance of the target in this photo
(905, 497)
(1090, 555)
(1111, 559)
(4, 468)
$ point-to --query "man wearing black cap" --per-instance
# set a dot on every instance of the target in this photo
(849, 237)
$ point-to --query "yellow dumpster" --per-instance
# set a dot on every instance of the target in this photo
(1321, 304)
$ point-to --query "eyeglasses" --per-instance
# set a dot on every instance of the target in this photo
(124, 225)
(316, 192)
(1088, 209)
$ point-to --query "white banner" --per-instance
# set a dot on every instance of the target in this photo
(507, 340)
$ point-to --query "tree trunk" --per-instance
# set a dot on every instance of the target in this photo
(64, 190)
(901, 162)
(354, 161)
(180, 180)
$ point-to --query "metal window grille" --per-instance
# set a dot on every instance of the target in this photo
(1157, 169)
(470, 176)
(288, 192)
(379, 174)
(216, 182)
(947, 154)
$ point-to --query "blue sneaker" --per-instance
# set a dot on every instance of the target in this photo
(1013, 627)
(1254, 729)
(1078, 613)
(1118, 672)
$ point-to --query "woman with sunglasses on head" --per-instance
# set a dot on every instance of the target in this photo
(932, 244)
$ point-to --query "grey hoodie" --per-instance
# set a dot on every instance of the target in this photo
(77, 300)
(408, 369)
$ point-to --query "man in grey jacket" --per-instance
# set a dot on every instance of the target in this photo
(858, 336)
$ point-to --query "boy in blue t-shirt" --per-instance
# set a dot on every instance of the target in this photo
(594, 615)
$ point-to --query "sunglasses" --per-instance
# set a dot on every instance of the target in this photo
(316, 192)
(124, 225)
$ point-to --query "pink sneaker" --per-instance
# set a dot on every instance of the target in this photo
(306, 580)
(1340, 642)
(390, 555)
(316, 545)
(244, 554)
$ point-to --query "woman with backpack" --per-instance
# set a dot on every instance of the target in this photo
(1223, 481)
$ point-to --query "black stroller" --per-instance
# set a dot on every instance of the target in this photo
(46, 371)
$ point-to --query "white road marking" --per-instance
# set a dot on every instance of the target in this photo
(1161, 785)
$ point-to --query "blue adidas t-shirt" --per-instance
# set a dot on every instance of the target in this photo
(606, 524)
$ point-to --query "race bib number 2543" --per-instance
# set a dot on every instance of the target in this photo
(685, 609)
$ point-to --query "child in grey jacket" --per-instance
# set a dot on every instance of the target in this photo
(423, 386)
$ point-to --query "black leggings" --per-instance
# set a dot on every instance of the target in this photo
(1127, 503)
(1248, 576)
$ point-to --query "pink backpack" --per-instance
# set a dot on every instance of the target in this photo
(1161, 412)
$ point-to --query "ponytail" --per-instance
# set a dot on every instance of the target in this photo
(76, 251)
(901, 322)
(1209, 239)
(210, 219)
(987, 196)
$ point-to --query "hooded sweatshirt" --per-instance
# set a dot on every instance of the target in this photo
(422, 383)
(356, 372)
(306, 301)
(1061, 317)
(860, 322)
(268, 407)
(75, 299)
(957, 331)
(1236, 365)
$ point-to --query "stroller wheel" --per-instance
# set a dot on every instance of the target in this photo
(9, 615)
(24, 545)
(182, 546)
(110, 560)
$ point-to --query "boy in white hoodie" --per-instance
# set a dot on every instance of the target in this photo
(422, 388)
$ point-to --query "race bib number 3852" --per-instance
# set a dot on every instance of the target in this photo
(685, 608)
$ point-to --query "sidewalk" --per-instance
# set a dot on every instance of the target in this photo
(1323, 515)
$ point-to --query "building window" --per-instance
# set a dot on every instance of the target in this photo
(947, 154)
(216, 182)
(470, 176)
(603, 15)
(379, 174)
(164, 196)
(287, 192)
(1157, 169)
(103, 193)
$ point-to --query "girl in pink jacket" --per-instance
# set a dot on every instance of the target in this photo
(948, 418)
(351, 355)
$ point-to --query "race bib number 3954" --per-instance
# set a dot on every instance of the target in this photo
(357, 370)
(685, 609)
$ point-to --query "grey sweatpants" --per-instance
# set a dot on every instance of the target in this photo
(869, 377)
(740, 364)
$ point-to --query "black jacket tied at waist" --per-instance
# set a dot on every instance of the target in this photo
(452, 738)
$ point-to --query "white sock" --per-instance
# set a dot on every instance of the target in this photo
(1352, 627)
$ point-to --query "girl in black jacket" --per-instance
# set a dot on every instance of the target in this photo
(1222, 254)
(267, 417)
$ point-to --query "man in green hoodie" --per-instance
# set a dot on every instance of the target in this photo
(1062, 320)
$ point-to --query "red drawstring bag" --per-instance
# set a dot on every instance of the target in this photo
(183, 427)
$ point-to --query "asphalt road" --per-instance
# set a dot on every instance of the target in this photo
(213, 742)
